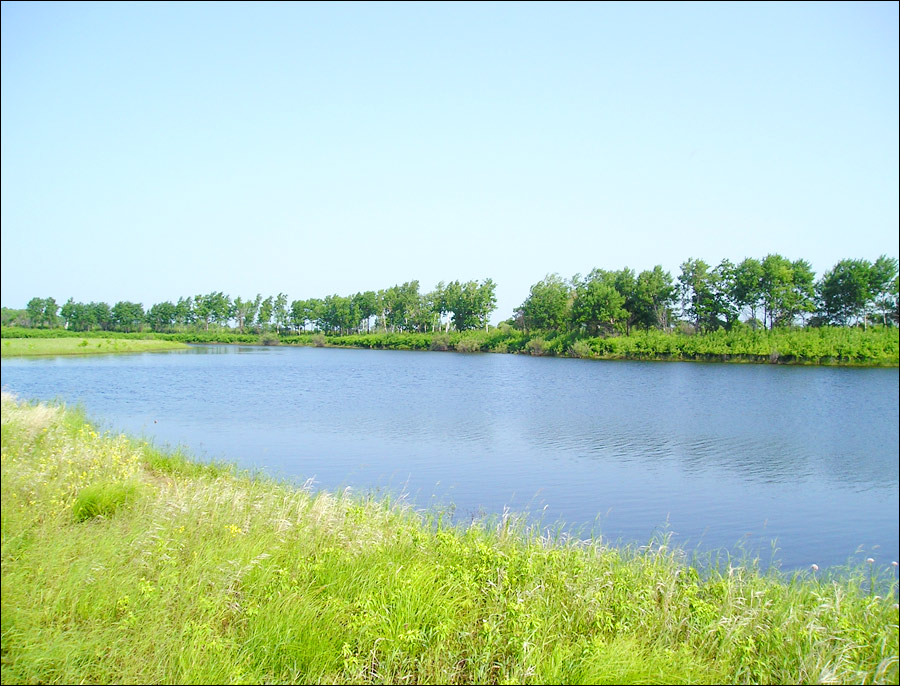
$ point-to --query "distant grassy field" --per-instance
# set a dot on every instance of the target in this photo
(27, 347)
(125, 564)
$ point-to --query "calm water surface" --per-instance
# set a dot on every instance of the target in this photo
(719, 456)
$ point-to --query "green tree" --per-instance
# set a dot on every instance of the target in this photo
(161, 317)
(219, 307)
(777, 290)
(240, 311)
(202, 311)
(883, 286)
(747, 286)
(844, 291)
(102, 316)
(300, 314)
(128, 316)
(598, 306)
(51, 310)
(264, 314)
(184, 312)
(35, 310)
(653, 299)
(471, 303)
(366, 304)
(695, 285)
(335, 315)
(547, 306)
(280, 313)
(398, 306)
(77, 316)
(801, 300)
(12, 317)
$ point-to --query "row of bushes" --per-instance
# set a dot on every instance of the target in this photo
(825, 345)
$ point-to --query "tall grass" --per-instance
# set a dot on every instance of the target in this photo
(201, 574)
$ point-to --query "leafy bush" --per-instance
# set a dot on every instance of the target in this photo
(103, 499)
(440, 342)
(468, 345)
(536, 346)
(581, 349)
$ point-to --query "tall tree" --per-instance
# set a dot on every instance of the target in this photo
(883, 286)
(747, 286)
(240, 310)
(598, 306)
(844, 291)
(184, 312)
(280, 312)
(102, 316)
(367, 306)
(471, 303)
(264, 314)
(77, 316)
(653, 299)
(802, 298)
(547, 305)
(777, 289)
(161, 317)
(128, 316)
(35, 310)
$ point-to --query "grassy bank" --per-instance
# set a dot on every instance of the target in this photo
(837, 346)
(29, 347)
(124, 564)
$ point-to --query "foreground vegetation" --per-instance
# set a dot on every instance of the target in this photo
(30, 347)
(124, 564)
(875, 346)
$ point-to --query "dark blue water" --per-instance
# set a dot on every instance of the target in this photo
(744, 457)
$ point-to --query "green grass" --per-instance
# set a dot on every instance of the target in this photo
(27, 347)
(828, 345)
(196, 573)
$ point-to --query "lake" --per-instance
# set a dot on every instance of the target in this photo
(802, 461)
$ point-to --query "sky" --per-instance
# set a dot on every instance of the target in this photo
(152, 151)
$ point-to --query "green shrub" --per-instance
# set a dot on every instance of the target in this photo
(468, 345)
(103, 499)
(440, 341)
(581, 349)
(536, 346)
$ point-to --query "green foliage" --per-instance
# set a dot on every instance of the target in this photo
(547, 305)
(581, 348)
(103, 499)
(440, 342)
(599, 305)
(537, 346)
(469, 344)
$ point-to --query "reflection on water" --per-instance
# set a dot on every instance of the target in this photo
(717, 453)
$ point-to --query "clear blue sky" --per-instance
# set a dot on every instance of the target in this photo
(151, 151)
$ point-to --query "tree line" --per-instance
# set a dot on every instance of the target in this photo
(462, 305)
(760, 293)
